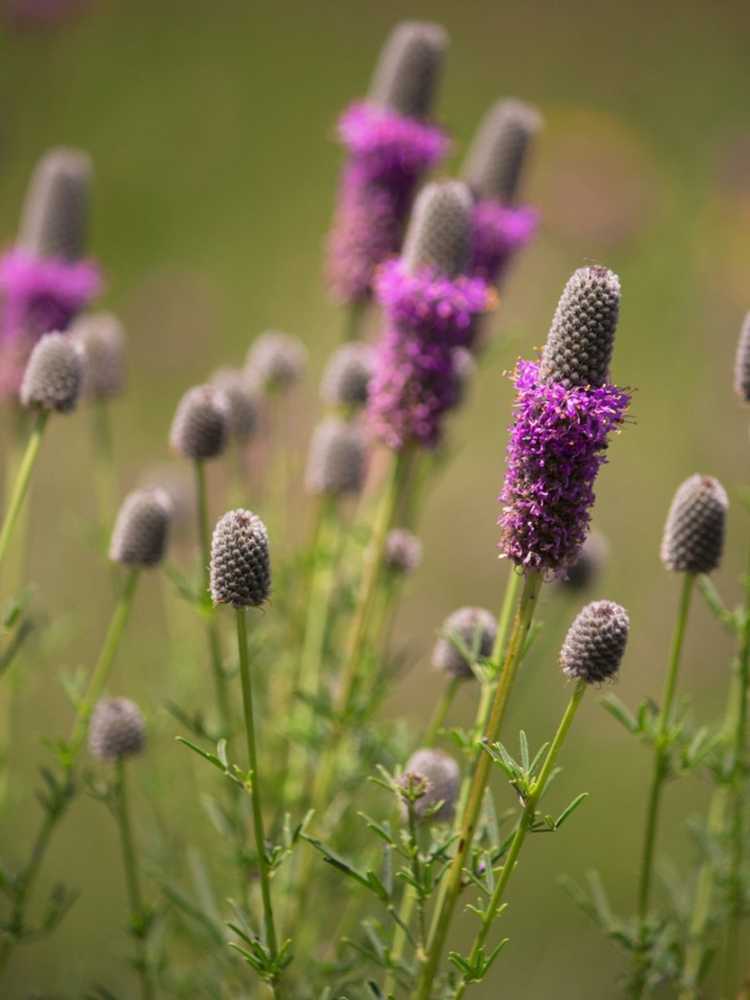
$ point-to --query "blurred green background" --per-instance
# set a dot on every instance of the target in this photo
(211, 129)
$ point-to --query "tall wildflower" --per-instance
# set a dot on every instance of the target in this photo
(494, 170)
(45, 279)
(431, 308)
(391, 145)
(565, 411)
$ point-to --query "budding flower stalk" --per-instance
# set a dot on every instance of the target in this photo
(595, 643)
(337, 459)
(403, 551)
(240, 561)
(346, 379)
(467, 636)
(742, 362)
(102, 340)
(439, 777)
(493, 170)
(431, 308)
(693, 539)
(116, 730)
(276, 361)
(44, 279)
(141, 530)
(200, 428)
(241, 400)
(390, 145)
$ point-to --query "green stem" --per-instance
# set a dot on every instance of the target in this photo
(452, 883)
(103, 666)
(525, 824)
(441, 711)
(137, 909)
(255, 794)
(105, 477)
(661, 769)
(21, 484)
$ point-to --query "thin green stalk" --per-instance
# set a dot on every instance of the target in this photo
(103, 666)
(137, 909)
(21, 484)
(524, 825)
(452, 883)
(441, 711)
(661, 765)
(212, 625)
(255, 795)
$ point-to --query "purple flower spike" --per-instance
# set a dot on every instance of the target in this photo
(557, 446)
(38, 295)
(500, 231)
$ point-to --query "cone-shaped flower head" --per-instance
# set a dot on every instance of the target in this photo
(493, 171)
(337, 458)
(498, 154)
(116, 730)
(54, 375)
(441, 779)
(595, 643)
(580, 342)
(346, 379)
(403, 551)
(390, 145)
(276, 361)
(201, 423)
(240, 561)
(242, 401)
(694, 533)
(408, 70)
(564, 414)
(102, 339)
(430, 309)
(44, 282)
(141, 530)
(55, 217)
(467, 635)
(174, 479)
(588, 565)
(742, 363)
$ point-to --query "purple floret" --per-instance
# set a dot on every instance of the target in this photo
(557, 445)
(499, 232)
(416, 379)
(37, 295)
(388, 154)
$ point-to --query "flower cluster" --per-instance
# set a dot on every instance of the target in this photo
(499, 232)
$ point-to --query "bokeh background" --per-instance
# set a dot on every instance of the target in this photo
(211, 129)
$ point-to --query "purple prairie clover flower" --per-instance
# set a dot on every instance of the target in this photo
(430, 310)
(499, 232)
(390, 146)
(564, 414)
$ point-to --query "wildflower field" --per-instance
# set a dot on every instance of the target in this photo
(374, 587)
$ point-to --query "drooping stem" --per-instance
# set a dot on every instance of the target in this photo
(21, 484)
(453, 881)
(137, 909)
(212, 625)
(101, 671)
(661, 768)
(105, 474)
(255, 793)
(525, 824)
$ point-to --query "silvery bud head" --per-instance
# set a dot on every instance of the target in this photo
(693, 539)
(276, 361)
(201, 424)
(408, 70)
(102, 339)
(403, 551)
(337, 458)
(742, 362)
(240, 561)
(141, 529)
(588, 564)
(595, 643)
(441, 777)
(242, 401)
(347, 375)
(498, 153)
(54, 220)
(580, 342)
(466, 631)
(439, 232)
(54, 374)
(116, 730)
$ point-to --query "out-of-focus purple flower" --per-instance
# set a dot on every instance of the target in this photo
(564, 413)
(390, 147)
(494, 171)
(431, 309)
(44, 279)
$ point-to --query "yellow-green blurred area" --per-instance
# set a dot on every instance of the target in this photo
(211, 127)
